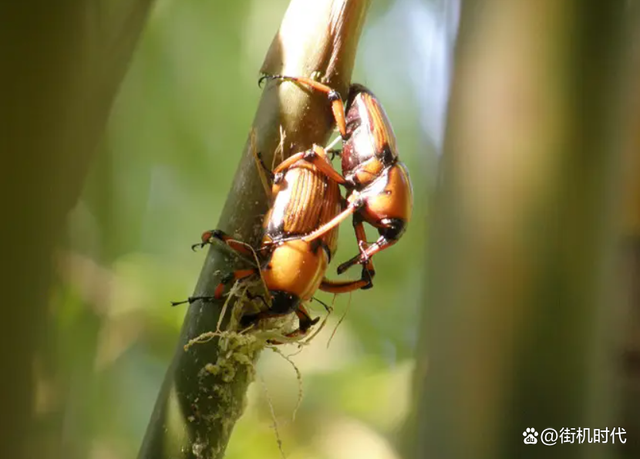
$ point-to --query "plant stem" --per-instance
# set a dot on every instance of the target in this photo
(204, 390)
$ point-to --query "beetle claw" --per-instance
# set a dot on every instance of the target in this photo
(199, 245)
(266, 76)
(368, 275)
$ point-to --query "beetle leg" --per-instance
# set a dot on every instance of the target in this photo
(265, 174)
(367, 253)
(234, 276)
(193, 299)
(361, 237)
(305, 322)
(287, 163)
(316, 156)
(332, 286)
(334, 152)
(209, 236)
(263, 166)
(352, 208)
(330, 147)
(337, 106)
(390, 230)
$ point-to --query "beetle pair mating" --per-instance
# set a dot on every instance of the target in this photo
(301, 226)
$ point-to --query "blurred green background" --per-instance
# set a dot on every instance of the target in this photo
(526, 296)
(170, 152)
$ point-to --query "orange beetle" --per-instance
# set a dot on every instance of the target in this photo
(379, 189)
(304, 198)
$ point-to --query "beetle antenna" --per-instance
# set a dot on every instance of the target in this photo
(193, 299)
(263, 166)
(322, 303)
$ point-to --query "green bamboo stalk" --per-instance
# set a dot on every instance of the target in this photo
(61, 68)
(517, 331)
(204, 390)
